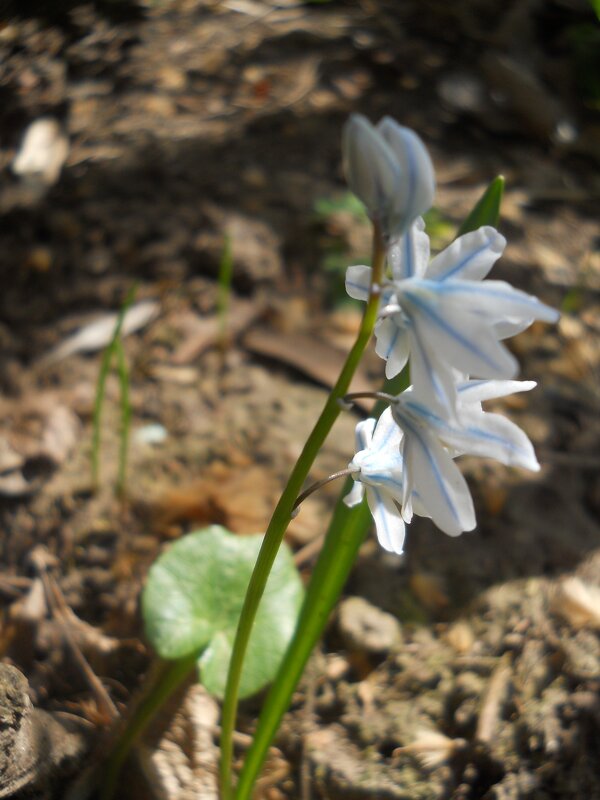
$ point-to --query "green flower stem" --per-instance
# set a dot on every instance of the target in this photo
(347, 531)
(161, 685)
(282, 515)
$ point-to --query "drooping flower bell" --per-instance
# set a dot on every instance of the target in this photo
(388, 167)
(444, 315)
(406, 461)
(377, 469)
(430, 443)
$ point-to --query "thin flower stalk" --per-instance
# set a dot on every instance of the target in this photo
(283, 512)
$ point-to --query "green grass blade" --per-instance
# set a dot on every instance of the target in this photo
(107, 357)
(123, 373)
(487, 209)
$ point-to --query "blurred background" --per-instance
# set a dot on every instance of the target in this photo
(143, 142)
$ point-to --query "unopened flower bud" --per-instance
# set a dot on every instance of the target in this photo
(414, 194)
(389, 169)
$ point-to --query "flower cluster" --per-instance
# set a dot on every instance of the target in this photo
(444, 318)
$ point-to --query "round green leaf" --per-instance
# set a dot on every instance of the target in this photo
(194, 596)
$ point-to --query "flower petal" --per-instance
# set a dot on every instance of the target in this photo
(392, 344)
(410, 255)
(414, 194)
(363, 434)
(461, 339)
(442, 489)
(479, 433)
(510, 327)
(494, 436)
(479, 391)
(355, 495)
(387, 434)
(469, 257)
(371, 166)
(497, 300)
(432, 378)
(389, 524)
(358, 281)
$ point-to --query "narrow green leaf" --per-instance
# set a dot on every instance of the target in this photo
(487, 209)
(126, 410)
(224, 291)
(193, 599)
(107, 358)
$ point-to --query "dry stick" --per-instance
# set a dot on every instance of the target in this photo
(60, 611)
(491, 703)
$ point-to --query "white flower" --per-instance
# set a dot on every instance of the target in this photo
(430, 443)
(430, 472)
(389, 169)
(444, 315)
(378, 470)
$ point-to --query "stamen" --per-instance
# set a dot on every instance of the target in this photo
(318, 485)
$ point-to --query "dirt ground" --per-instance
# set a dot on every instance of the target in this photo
(468, 668)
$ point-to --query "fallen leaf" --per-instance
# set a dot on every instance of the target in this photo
(311, 356)
(98, 334)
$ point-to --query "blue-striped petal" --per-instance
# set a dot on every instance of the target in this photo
(442, 489)
(387, 434)
(358, 281)
(469, 257)
(389, 524)
(363, 434)
(414, 194)
(432, 377)
(498, 300)
(409, 257)
(371, 166)
(455, 335)
(480, 391)
(479, 433)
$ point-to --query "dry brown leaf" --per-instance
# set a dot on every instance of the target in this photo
(313, 357)
(205, 332)
(241, 499)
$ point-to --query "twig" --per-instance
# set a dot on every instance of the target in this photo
(492, 702)
(61, 612)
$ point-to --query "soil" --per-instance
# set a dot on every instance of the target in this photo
(468, 668)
